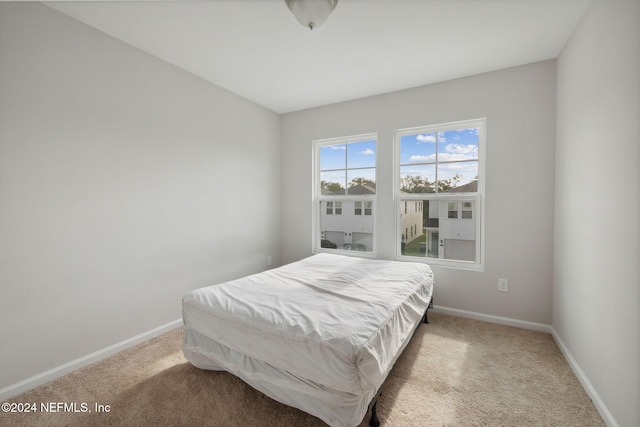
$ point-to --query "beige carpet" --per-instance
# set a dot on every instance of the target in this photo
(455, 372)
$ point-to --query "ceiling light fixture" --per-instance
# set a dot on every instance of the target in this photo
(311, 13)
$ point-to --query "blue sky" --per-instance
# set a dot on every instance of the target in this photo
(348, 156)
(455, 151)
(358, 154)
(420, 152)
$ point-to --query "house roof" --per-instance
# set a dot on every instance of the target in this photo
(470, 187)
(360, 189)
(364, 189)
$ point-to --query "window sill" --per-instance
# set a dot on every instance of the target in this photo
(436, 262)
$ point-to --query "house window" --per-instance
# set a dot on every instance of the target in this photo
(439, 169)
(368, 208)
(452, 209)
(466, 210)
(345, 177)
(329, 208)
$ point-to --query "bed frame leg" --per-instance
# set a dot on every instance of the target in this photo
(430, 306)
(374, 421)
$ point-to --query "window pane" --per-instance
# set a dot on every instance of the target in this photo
(333, 156)
(459, 144)
(332, 183)
(437, 231)
(361, 154)
(418, 179)
(348, 231)
(458, 177)
(467, 210)
(368, 208)
(362, 181)
(452, 210)
(419, 148)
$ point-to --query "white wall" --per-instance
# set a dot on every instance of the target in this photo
(124, 183)
(519, 104)
(596, 295)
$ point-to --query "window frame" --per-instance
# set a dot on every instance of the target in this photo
(357, 208)
(317, 196)
(337, 207)
(329, 207)
(477, 198)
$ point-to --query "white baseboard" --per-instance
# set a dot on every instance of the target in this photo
(50, 375)
(540, 327)
(57, 372)
(586, 384)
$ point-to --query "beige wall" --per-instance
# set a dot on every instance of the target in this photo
(124, 183)
(519, 104)
(597, 222)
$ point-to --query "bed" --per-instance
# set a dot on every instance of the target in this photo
(320, 334)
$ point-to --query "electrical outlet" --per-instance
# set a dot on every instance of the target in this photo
(269, 261)
(503, 285)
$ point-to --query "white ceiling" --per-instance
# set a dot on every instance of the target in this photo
(256, 48)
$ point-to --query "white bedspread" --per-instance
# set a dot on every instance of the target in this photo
(329, 322)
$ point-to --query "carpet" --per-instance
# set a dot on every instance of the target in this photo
(455, 372)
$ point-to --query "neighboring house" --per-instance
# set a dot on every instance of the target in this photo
(451, 229)
(449, 226)
(348, 220)
(411, 220)
(457, 225)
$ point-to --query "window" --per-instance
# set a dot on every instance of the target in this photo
(338, 208)
(345, 194)
(467, 210)
(452, 211)
(329, 208)
(439, 172)
(368, 208)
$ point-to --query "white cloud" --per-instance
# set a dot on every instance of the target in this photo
(426, 138)
(470, 150)
(449, 157)
(467, 171)
(368, 152)
(334, 147)
(422, 159)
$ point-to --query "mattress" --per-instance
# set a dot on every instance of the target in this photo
(320, 334)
